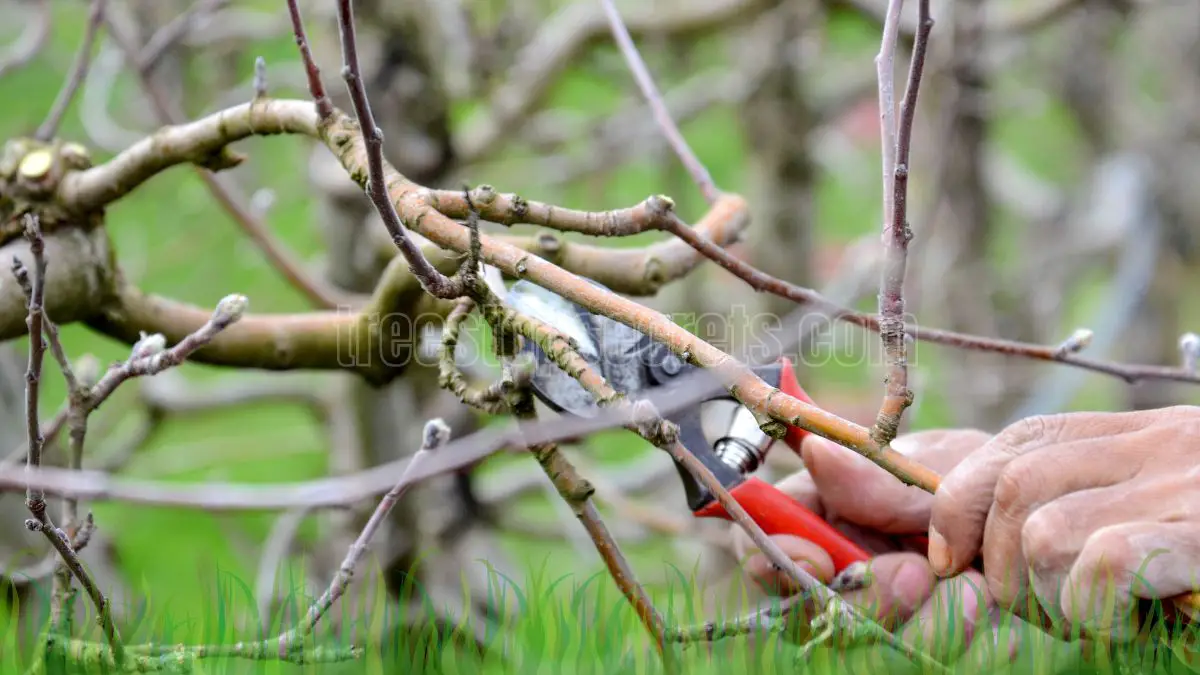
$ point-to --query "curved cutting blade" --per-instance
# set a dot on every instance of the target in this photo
(615, 350)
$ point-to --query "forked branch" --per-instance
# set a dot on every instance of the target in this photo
(897, 141)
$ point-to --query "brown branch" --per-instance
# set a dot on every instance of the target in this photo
(661, 115)
(79, 71)
(76, 419)
(315, 87)
(897, 143)
(35, 499)
(31, 41)
(761, 281)
(433, 281)
(511, 209)
(575, 491)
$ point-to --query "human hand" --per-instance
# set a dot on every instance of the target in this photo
(1077, 516)
(874, 509)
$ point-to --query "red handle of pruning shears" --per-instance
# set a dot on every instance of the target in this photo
(776, 512)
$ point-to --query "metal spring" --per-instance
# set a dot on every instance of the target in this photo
(738, 454)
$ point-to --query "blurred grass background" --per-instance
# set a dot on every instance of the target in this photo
(176, 241)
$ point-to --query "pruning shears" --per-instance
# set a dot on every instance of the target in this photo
(633, 363)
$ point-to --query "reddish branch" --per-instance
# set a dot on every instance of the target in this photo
(316, 88)
(432, 280)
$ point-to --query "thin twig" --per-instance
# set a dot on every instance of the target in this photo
(896, 230)
(315, 87)
(661, 115)
(433, 281)
(436, 435)
(769, 616)
(76, 419)
(35, 499)
(150, 355)
(79, 71)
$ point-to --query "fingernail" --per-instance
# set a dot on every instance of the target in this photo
(939, 553)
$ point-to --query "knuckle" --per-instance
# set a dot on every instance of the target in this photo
(1036, 427)
(1017, 480)
(1042, 534)
(1108, 550)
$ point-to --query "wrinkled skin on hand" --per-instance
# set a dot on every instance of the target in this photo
(1075, 516)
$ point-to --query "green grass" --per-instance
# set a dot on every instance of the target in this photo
(177, 242)
(575, 622)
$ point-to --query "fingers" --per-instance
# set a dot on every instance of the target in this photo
(899, 584)
(778, 582)
(861, 492)
(945, 625)
(1054, 534)
(962, 502)
(1121, 563)
(1028, 482)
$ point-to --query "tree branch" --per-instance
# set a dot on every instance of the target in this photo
(320, 293)
(79, 71)
(897, 143)
(433, 281)
(662, 116)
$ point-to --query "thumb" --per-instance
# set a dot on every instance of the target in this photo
(899, 584)
(860, 492)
